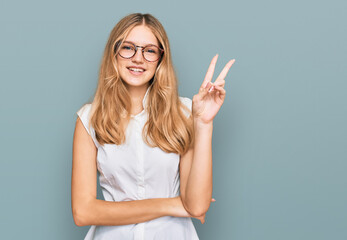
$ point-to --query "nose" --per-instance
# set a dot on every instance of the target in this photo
(138, 56)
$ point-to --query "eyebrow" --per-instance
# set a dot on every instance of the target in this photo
(143, 45)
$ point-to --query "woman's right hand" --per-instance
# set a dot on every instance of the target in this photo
(178, 209)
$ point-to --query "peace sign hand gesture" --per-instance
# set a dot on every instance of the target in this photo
(211, 96)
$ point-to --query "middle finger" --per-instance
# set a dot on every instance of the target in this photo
(225, 70)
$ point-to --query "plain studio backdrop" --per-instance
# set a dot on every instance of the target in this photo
(279, 141)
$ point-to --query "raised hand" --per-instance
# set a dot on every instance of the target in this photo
(210, 98)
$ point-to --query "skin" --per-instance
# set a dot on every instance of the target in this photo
(137, 84)
(196, 190)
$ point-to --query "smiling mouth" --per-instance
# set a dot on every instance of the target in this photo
(137, 70)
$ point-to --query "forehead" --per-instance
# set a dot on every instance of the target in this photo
(142, 35)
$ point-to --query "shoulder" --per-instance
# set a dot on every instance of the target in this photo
(84, 115)
(188, 103)
(84, 110)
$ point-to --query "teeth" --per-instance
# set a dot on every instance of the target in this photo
(136, 69)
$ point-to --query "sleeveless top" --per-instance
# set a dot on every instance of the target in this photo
(135, 171)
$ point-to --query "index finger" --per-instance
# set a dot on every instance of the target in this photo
(210, 70)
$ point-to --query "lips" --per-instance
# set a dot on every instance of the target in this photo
(136, 69)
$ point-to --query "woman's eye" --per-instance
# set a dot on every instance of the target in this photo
(150, 50)
(127, 47)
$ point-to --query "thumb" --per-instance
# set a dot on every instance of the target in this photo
(205, 90)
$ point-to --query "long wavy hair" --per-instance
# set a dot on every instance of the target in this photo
(167, 127)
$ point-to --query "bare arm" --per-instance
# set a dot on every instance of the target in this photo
(196, 172)
(196, 164)
(87, 210)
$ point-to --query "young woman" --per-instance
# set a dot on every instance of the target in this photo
(151, 147)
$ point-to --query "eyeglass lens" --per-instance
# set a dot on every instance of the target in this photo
(150, 53)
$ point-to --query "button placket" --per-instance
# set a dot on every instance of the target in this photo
(141, 174)
(140, 227)
(139, 233)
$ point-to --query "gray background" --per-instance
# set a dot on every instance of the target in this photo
(279, 143)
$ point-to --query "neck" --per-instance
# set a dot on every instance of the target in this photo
(136, 95)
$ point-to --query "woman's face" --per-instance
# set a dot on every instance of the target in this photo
(136, 71)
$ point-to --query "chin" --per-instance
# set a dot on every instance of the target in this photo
(135, 82)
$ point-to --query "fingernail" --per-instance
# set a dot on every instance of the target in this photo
(211, 89)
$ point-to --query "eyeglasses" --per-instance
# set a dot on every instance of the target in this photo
(150, 53)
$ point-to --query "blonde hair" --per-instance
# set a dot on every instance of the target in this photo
(167, 127)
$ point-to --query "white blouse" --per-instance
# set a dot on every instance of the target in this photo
(134, 171)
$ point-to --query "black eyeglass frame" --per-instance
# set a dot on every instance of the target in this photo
(136, 47)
